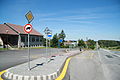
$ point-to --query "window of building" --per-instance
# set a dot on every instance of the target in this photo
(33, 39)
(22, 38)
(26, 39)
(40, 39)
(37, 39)
(30, 38)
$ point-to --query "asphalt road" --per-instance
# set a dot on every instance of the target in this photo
(94, 65)
(15, 57)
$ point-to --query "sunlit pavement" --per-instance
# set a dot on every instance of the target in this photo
(42, 68)
(12, 58)
(94, 65)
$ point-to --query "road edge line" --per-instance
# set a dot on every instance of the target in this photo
(2, 73)
(63, 73)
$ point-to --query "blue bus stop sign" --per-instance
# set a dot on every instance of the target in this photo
(60, 40)
(49, 35)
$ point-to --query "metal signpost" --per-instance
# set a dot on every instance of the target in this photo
(28, 29)
(48, 34)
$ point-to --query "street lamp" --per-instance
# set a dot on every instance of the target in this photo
(7, 38)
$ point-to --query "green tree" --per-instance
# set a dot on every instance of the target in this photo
(62, 36)
(54, 41)
(91, 44)
(81, 43)
(108, 43)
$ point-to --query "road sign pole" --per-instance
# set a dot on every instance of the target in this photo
(58, 45)
(28, 52)
(50, 48)
(49, 36)
(28, 29)
(46, 44)
(49, 42)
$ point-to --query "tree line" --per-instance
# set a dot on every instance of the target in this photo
(108, 43)
(89, 44)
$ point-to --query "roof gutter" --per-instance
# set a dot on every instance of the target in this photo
(12, 28)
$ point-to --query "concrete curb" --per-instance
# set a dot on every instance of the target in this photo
(12, 76)
(51, 76)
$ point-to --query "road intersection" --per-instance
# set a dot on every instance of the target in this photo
(93, 65)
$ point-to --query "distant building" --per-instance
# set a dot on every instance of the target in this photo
(14, 36)
(70, 43)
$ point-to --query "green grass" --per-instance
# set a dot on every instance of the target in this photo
(39, 47)
(117, 48)
(2, 49)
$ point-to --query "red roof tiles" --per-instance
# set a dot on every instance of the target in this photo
(15, 29)
(6, 30)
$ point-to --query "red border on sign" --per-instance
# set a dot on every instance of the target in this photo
(28, 31)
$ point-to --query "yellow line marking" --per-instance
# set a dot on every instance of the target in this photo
(62, 75)
(2, 73)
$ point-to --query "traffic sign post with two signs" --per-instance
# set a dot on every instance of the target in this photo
(28, 29)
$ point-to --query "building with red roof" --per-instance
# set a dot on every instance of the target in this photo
(15, 36)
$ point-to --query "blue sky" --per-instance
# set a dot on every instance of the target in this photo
(95, 19)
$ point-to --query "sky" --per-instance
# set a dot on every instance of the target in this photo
(94, 19)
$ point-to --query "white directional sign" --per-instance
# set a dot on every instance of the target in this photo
(28, 28)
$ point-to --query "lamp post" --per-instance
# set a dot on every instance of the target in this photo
(7, 38)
